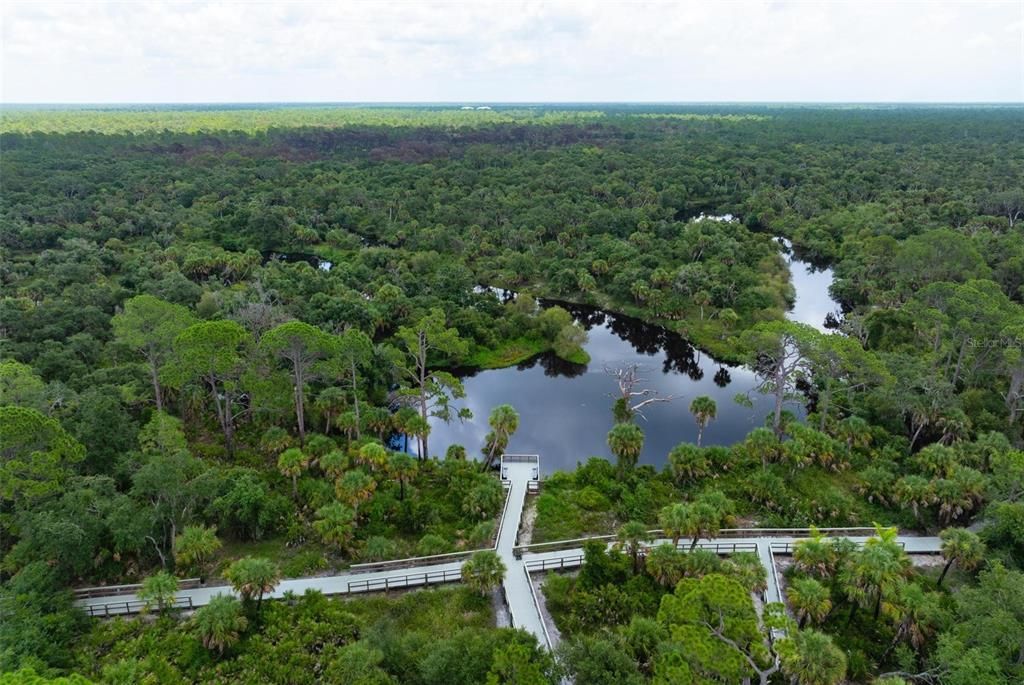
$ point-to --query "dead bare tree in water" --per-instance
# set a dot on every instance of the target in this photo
(632, 398)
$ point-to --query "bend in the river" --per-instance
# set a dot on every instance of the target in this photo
(565, 409)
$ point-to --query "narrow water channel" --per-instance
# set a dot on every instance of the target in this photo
(565, 409)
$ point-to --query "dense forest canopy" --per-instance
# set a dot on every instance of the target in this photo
(218, 325)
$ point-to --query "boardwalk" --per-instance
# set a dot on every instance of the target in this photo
(519, 594)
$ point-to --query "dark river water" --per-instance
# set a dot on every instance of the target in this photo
(565, 410)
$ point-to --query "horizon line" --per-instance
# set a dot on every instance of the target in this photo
(123, 103)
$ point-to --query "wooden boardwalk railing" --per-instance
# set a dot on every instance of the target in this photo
(114, 590)
(575, 560)
(408, 580)
(556, 545)
(131, 607)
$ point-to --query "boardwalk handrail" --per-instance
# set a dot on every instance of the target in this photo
(408, 580)
(789, 547)
(133, 606)
(536, 605)
(521, 458)
(556, 545)
(132, 588)
(717, 547)
(776, 633)
(775, 574)
(430, 560)
(576, 559)
(412, 562)
(569, 560)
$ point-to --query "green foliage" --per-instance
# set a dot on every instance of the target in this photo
(253, 577)
(335, 524)
(21, 386)
(149, 326)
(483, 571)
(158, 591)
(714, 628)
(36, 454)
(40, 622)
(985, 639)
(962, 547)
(704, 411)
(220, 624)
(435, 636)
(504, 420)
(810, 599)
(262, 120)
(433, 390)
(29, 676)
(304, 349)
(626, 441)
(598, 661)
(484, 500)
(811, 658)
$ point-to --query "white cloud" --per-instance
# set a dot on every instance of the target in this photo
(164, 51)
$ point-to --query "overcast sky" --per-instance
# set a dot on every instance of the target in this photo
(164, 51)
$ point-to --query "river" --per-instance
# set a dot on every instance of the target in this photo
(565, 409)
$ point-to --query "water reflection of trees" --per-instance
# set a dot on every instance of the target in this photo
(645, 338)
(553, 366)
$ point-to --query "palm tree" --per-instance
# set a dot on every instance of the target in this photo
(275, 440)
(504, 421)
(333, 464)
(373, 456)
(916, 610)
(873, 573)
(810, 600)
(317, 445)
(958, 495)
(630, 537)
(253, 577)
(706, 515)
(220, 623)
(811, 658)
(419, 428)
(455, 452)
(762, 443)
(626, 441)
(855, 432)
(355, 487)
(746, 567)
(403, 468)
(674, 520)
(704, 411)
(378, 420)
(664, 564)
(158, 590)
(815, 555)
(688, 462)
(701, 562)
(336, 524)
(914, 491)
(291, 464)
(195, 546)
(483, 571)
(961, 546)
(348, 424)
(330, 402)
(400, 420)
